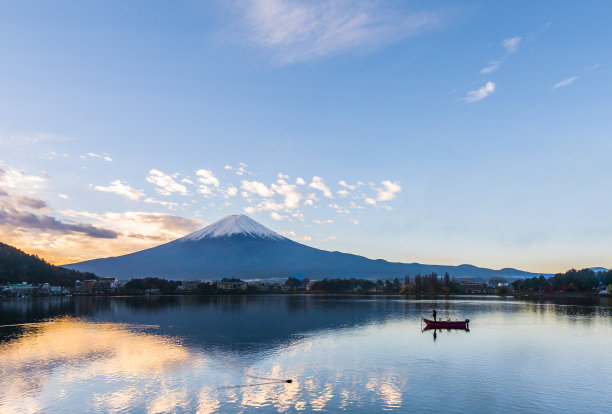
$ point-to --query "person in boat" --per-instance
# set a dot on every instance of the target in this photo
(434, 314)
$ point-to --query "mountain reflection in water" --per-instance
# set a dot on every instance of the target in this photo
(233, 353)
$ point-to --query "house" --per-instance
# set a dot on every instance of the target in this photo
(474, 287)
(232, 284)
(190, 285)
(84, 287)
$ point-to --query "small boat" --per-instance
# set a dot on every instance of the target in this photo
(447, 324)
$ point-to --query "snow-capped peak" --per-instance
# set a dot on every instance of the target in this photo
(237, 224)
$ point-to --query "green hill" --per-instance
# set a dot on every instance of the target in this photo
(17, 266)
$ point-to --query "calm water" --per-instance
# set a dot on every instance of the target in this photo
(231, 354)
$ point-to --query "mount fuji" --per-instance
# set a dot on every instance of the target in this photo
(237, 246)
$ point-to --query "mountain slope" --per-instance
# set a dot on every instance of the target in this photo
(238, 246)
(17, 266)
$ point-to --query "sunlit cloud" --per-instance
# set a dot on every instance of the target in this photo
(123, 189)
(206, 179)
(104, 157)
(289, 192)
(258, 188)
(12, 178)
(166, 183)
(388, 191)
(318, 184)
(15, 217)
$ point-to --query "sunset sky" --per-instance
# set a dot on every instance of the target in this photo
(441, 132)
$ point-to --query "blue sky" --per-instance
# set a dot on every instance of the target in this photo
(462, 132)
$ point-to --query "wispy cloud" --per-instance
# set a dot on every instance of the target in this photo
(104, 157)
(512, 44)
(492, 66)
(480, 93)
(298, 31)
(565, 82)
(123, 189)
(30, 139)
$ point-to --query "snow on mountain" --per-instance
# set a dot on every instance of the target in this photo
(234, 225)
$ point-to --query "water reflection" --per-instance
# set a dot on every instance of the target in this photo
(232, 354)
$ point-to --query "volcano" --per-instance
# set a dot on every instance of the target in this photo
(237, 246)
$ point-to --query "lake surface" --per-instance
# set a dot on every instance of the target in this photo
(358, 354)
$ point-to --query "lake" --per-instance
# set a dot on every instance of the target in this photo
(358, 354)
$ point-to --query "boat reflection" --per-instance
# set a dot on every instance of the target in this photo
(448, 330)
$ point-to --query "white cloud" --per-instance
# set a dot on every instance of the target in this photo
(565, 82)
(283, 176)
(187, 180)
(328, 221)
(309, 202)
(293, 236)
(480, 93)
(389, 191)
(206, 178)
(231, 191)
(13, 178)
(370, 201)
(169, 204)
(318, 184)
(343, 193)
(104, 157)
(256, 187)
(300, 181)
(492, 66)
(275, 216)
(289, 191)
(241, 169)
(228, 167)
(122, 189)
(511, 44)
(297, 31)
(64, 196)
(166, 183)
(355, 221)
(343, 183)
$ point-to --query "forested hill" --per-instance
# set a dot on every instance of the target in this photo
(17, 266)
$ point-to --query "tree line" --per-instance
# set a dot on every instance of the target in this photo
(571, 281)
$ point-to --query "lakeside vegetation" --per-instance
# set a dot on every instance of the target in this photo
(585, 280)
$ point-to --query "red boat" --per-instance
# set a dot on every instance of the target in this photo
(447, 324)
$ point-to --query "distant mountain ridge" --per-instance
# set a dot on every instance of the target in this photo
(238, 246)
